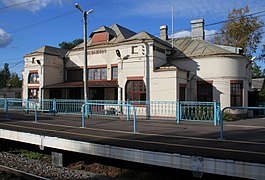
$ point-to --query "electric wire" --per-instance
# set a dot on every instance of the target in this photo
(71, 12)
(18, 4)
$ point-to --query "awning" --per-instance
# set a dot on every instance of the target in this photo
(80, 84)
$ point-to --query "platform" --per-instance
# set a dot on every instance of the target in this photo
(191, 146)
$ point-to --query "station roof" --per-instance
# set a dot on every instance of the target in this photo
(189, 47)
(49, 50)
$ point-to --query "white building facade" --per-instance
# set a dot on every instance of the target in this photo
(125, 65)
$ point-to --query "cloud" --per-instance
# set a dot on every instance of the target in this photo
(209, 34)
(33, 5)
(5, 38)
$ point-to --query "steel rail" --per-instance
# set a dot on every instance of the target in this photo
(19, 173)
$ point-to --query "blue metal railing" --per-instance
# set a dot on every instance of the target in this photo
(198, 111)
(233, 107)
(19, 104)
(170, 110)
(109, 109)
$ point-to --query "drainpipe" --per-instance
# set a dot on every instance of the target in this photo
(41, 82)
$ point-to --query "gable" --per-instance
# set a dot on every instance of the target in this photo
(100, 38)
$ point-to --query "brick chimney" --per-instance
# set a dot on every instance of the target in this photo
(163, 32)
(197, 29)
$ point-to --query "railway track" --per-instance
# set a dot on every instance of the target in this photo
(17, 174)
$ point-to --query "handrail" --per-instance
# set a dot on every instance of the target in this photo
(6, 108)
(87, 112)
(233, 107)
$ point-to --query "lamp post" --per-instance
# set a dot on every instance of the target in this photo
(85, 13)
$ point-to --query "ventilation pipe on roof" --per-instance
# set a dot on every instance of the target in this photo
(197, 29)
(164, 32)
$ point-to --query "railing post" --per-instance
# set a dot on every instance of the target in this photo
(177, 112)
(134, 120)
(35, 111)
(87, 108)
(83, 115)
(128, 109)
(6, 105)
(222, 125)
(54, 105)
(120, 106)
(27, 104)
(215, 113)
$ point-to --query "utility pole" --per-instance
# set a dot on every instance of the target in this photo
(172, 23)
(85, 13)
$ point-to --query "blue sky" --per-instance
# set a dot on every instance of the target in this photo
(26, 25)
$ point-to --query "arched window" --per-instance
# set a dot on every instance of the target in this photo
(33, 77)
(135, 90)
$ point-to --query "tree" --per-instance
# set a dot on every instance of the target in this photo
(4, 75)
(14, 81)
(70, 45)
(257, 71)
(241, 30)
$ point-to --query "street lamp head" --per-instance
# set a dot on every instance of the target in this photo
(90, 11)
(78, 7)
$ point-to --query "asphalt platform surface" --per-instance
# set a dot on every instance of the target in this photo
(244, 140)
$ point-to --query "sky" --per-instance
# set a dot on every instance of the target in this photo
(26, 25)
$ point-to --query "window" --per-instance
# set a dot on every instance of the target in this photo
(75, 75)
(33, 77)
(134, 50)
(33, 93)
(33, 60)
(204, 91)
(236, 91)
(114, 72)
(135, 90)
(97, 74)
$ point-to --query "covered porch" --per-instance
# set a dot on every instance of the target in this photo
(97, 90)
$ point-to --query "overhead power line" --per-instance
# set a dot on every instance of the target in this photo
(16, 64)
(18, 4)
(41, 22)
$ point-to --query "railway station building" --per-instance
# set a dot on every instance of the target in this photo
(123, 64)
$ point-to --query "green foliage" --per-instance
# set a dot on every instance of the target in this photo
(257, 71)
(261, 96)
(70, 45)
(4, 75)
(230, 117)
(14, 81)
(7, 79)
(35, 155)
(241, 30)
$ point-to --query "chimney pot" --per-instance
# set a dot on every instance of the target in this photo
(197, 29)
(164, 32)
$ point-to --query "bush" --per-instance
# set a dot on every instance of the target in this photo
(227, 116)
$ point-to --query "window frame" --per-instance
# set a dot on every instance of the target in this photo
(30, 92)
(236, 93)
(31, 79)
(97, 74)
(134, 49)
(114, 74)
(135, 90)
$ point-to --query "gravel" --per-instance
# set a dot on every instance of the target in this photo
(44, 169)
